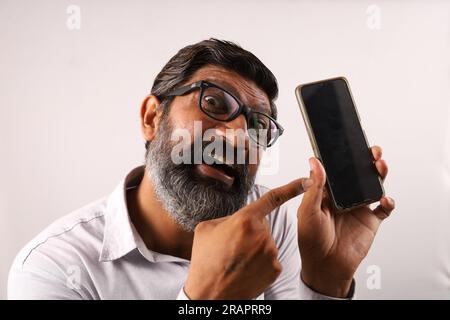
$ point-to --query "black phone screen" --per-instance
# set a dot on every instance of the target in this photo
(343, 150)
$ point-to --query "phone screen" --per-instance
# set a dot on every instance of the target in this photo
(341, 144)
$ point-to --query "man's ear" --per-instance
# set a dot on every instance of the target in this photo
(150, 118)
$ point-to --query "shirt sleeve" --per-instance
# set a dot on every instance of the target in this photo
(38, 277)
(182, 295)
(306, 293)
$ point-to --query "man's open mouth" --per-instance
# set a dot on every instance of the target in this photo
(216, 168)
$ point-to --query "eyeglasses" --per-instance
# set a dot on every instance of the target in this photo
(221, 105)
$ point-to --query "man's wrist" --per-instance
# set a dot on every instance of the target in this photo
(327, 285)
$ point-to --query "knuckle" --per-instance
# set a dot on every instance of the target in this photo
(382, 164)
(273, 252)
(275, 198)
(246, 223)
(259, 243)
(200, 226)
(277, 269)
(267, 246)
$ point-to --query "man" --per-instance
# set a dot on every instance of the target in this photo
(203, 230)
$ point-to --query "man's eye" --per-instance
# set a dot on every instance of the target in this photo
(214, 105)
(259, 124)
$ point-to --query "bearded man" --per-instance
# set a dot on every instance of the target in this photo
(201, 228)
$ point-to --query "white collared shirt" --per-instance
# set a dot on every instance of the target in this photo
(96, 253)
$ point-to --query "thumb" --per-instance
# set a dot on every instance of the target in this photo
(312, 198)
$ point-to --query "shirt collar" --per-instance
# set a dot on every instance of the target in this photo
(120, 236)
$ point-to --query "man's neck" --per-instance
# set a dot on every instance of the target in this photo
(157, 229)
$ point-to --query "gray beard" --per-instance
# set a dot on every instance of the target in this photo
(187, 197)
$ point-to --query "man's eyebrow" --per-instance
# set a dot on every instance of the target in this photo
(260, 107)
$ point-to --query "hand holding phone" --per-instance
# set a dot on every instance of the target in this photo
(339, 142)
(332, 245)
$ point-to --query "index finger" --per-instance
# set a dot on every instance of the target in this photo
(276, 197)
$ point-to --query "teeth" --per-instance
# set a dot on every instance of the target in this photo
(216, 158)
(222, 160)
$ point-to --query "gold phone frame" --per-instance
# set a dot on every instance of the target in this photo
(313, 142)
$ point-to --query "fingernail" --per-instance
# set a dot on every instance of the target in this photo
(311, 164)
(306, 184)
(391, 201)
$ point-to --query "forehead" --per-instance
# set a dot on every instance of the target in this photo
(245, 90)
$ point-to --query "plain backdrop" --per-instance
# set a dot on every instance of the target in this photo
(69, 108)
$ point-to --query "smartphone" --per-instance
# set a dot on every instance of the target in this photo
(339, 142)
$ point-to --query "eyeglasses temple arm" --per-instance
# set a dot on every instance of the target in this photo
(184, 90)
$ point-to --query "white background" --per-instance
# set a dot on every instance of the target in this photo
(69, 106)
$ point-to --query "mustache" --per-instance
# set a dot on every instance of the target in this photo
(218, 152)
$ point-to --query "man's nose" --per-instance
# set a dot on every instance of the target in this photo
(235, 131)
